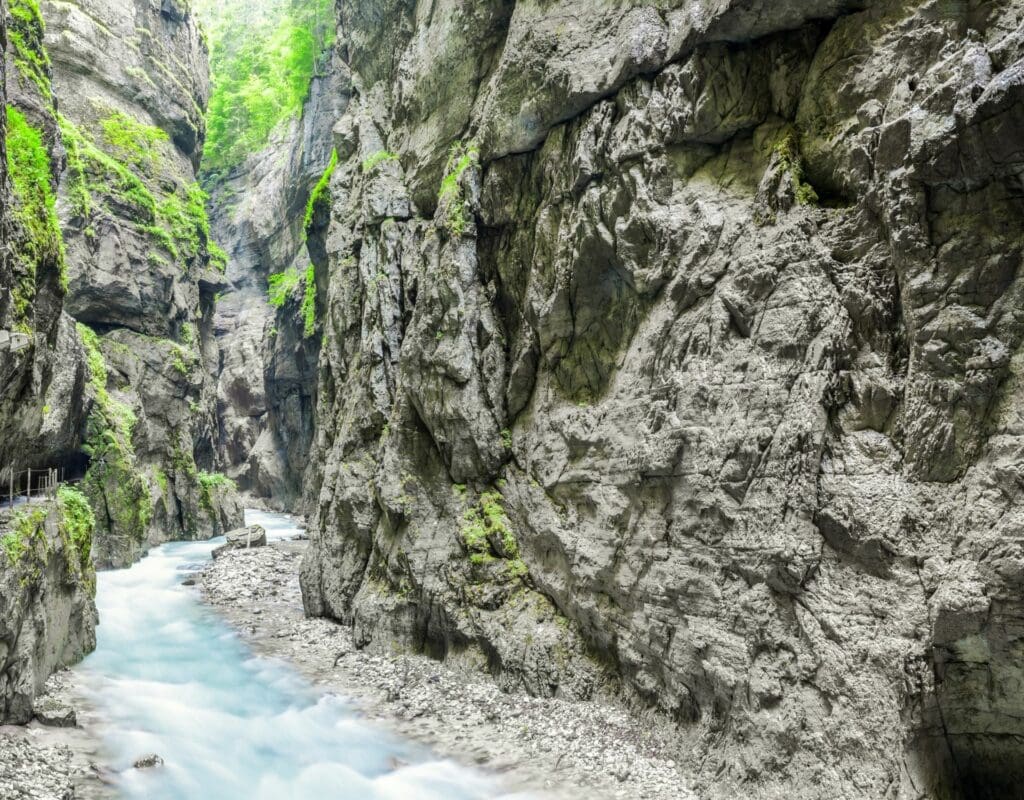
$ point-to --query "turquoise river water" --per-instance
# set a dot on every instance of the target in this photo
(169, 677)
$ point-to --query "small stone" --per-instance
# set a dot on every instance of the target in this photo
(54, 713)
(148, 762)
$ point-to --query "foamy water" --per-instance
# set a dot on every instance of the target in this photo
(169, 677)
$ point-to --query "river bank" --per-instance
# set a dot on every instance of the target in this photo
(559, 748)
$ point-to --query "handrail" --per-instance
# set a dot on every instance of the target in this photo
(46, 485)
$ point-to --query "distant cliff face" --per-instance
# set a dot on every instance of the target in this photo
(268, 378)
(132, 79)
(675, 347)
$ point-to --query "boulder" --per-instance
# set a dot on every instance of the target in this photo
(54, 713)
(242, 539)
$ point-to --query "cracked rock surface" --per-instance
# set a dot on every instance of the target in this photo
(673, 350)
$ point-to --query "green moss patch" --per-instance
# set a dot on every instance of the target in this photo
(320, 191)
(451, 195)
(123, 173)
(113, 477)
(28, 163)
(209, 484)
(26, 37)
(309, 304)
(487, 536)
(77, 522)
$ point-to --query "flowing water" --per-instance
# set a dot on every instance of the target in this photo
(169, 677)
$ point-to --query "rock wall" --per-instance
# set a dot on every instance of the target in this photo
(47, 612)
(42, 366)
(132, 79)
(267, 381)
(47, 581)
(673, 349)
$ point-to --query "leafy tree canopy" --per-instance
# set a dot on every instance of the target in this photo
(263, 55)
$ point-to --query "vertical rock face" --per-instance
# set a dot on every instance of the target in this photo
(42, 366)
(268, 377)
(47, 581)
(132, 79)
(675, 348)
(47, 613)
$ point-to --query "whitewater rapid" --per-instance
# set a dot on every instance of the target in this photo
(168, 677)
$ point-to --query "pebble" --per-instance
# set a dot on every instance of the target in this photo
(569, 749)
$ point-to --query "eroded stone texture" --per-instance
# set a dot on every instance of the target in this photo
(47, 613)
(697, 380)
(42, 369)
(267, 378)
(132, 80)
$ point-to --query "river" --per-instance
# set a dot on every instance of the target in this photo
(169, 677)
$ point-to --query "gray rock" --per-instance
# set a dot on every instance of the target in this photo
(49, 615)
(148, 762)
(697, 380)
(267, 380)
(242, 539)
(151, 299)
(54, 713)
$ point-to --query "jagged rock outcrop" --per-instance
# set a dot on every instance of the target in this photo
(143, 271)
(47, 612)
(674, 348)
(268, 377)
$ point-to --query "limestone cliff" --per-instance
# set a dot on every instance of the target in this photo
(674, 349)
(132, 80)
(267, 379)
(47, 582)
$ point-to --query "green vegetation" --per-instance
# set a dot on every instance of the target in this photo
(77, 522)
(486, 535)
(320, 191)
(209, 483)
(280, 285)
(26, 37)
(27, 527)
(113, 478)
(28, 163)
(378, 158)
(178, 356)
(134, 143)
(161, 481)
(792, 162)
(120, 170)
(460, 158)
(262, 59)
(309, 304)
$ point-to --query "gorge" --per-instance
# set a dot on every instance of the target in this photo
(649, 355)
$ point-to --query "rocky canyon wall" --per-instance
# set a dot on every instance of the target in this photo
(132, 83)
(108, 281)
(268, 377)
(674, 349)
(47, 581)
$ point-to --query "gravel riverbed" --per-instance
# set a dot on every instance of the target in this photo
(559, 748)
(547, 747)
